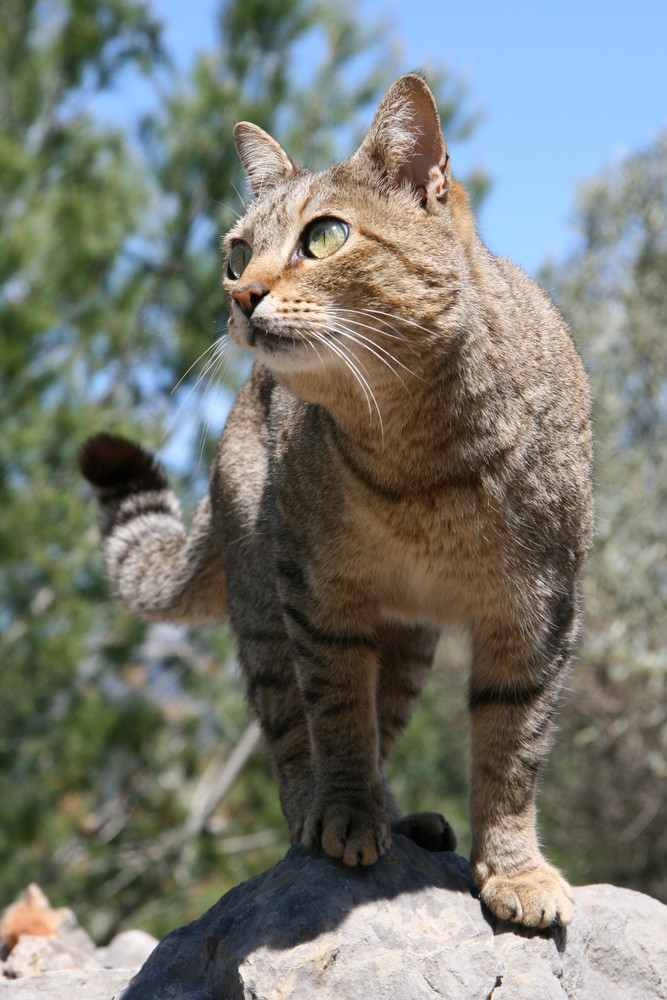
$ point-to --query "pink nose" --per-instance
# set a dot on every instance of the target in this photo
(249, 297)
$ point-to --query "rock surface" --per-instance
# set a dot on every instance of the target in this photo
(409, 927)
(104, 984)
(44, 953)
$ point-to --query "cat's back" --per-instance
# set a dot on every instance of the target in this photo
(540, 331)
(521, 349)
(539, 405)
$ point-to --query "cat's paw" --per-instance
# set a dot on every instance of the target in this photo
(536, 898)
(359, 834)
(429, 830)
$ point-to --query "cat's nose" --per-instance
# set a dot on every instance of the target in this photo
(249, 297)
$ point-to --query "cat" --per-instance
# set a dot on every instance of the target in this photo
(412, 447)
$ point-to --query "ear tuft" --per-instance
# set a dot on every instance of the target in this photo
(266, 162)
(406, 143)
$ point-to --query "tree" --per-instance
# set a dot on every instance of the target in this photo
(606, 789)
(69, 201)
(117, 742)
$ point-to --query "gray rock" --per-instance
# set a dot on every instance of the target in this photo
(46, 954)
(408, 927)
(128, 950)
(32, 956)
(101, 985)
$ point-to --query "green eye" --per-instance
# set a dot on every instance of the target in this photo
(239, 258)
(323, 237)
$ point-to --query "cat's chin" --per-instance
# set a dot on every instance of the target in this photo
(283, 353)
(288, 361)
(279, 352)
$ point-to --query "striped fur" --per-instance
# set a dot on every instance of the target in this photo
(413, 447)
(158, 570)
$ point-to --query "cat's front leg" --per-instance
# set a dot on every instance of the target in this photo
(337, 671)
(514, 689)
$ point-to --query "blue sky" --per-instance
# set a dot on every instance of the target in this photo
(566, 88)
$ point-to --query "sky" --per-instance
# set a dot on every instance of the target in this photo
(565, 88)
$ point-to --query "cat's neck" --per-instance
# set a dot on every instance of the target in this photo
(403, 433)
(372, 412)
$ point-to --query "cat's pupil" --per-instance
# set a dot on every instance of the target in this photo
(239, 258)
(324, 236)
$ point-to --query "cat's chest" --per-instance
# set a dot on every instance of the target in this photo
(428, 553)
(416, 551)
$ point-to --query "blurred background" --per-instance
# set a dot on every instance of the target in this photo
(132, 782)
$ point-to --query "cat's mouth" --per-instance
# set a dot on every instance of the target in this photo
(280, 348)
(262, 339)
(270, 341)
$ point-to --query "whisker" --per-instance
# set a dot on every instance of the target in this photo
(207, 420)
(339, 351)
(232, 211)
(396, 335)
(403, 319)
(215, 360)
(214, 364)
(211, 347)
(355, 340)
(240, 198)
(381, 333)
(309, 343)
(375, 349)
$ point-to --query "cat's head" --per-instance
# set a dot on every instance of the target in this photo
(349, 271)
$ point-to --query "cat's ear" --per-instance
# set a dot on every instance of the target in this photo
(266, 163)
(406, 142)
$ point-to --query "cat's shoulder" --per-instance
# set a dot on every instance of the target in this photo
(523, 286)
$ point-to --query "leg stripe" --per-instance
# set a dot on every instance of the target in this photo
(320, 636)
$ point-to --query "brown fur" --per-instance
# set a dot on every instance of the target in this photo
(413, 447)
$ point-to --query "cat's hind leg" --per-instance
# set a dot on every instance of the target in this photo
(429, 830)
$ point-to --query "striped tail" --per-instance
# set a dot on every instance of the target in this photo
(160, 572)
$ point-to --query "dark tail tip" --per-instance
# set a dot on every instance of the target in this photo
(109, 461)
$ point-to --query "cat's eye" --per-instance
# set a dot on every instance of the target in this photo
(239, 258)
(323, 237)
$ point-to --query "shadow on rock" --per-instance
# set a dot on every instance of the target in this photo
(300, 900)
(407, 927)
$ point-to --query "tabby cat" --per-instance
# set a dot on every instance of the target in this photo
(413, 447)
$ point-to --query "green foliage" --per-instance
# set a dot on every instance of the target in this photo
(429, 768)
(114, 737)
(120, 745)
(69, 201)
(605, 792)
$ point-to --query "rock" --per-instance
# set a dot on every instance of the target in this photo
(102, 985)
(408, 927)
(33, 955)
(128, 950)
(47, 954)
